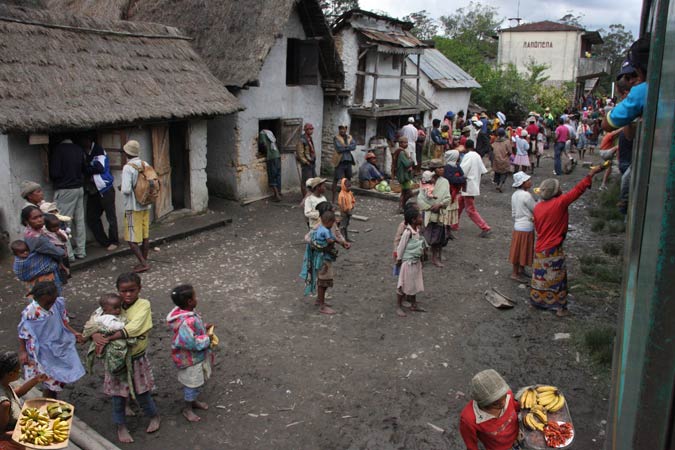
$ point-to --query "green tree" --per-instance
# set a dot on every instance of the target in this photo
(424, 26)
(616, 42)
(333, 9)
(474, 26)
(572, 18)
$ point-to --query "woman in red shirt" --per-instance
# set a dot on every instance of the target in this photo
(551, 217)
(492, 416)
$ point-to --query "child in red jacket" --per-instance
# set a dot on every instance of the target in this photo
(491, 417)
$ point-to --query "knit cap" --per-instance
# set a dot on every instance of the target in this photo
(549, 188)
(28, 187)
(487, 387)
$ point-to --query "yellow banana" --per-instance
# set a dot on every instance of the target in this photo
(539, 414)
(527, 421)
(557, 406)
(523, 398)
(542, 389)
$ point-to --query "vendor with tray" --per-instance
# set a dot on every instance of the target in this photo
(491, 417)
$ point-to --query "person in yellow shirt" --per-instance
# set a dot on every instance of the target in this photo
(139, 323)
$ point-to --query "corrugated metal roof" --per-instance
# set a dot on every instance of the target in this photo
(544, 25)
(406, 105)
(399, 39)
(444, 73)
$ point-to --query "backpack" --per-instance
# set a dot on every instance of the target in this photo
(147, 185)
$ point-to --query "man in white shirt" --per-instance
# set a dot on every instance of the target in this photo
(410, 132)
(473, 167)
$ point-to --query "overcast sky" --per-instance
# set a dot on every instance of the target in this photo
(596, 13)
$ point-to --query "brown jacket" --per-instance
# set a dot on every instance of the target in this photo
(304, 151)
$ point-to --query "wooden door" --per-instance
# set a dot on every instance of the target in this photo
(161, 161)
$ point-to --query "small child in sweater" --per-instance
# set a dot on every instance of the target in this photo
(409, 259)
(346, 203)
(190, 348)
(491, 417)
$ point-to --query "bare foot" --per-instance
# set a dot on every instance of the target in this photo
(123, 434)
(437, 263)
(128, 411)
(200, 405)
(400, 313)
(327, 310)
(316, 303)
(141, 268)
(417, 308)
(562, 312)
(190, 415)
(520, 279)
(154, 424)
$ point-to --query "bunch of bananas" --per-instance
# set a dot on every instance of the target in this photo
(528, 398)
(36, 433)
(59, 410)
(535, 419)
(33, 417)
(550, 398)
(60, 428)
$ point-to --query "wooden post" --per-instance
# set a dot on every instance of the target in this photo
(400, 91)
(377, 59)
(417, 93)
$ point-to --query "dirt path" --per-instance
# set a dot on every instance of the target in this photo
(290, 378)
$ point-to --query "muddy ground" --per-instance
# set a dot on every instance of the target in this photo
(289, 378)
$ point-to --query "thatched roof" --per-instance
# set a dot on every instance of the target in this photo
(62, 72)
(233, 36)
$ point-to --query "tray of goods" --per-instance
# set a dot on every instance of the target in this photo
(44, 424)
(545, 418)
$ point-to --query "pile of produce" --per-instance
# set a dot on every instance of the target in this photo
(538, 403)
(45, 426)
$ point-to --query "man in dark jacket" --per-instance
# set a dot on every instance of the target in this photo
(100, 194)
(66, 170)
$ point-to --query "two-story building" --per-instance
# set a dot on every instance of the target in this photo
(567, 50)
(380, 93)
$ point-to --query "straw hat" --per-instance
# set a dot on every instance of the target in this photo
(132, 148)
(314, 182)
(427, 176)
(435, 164)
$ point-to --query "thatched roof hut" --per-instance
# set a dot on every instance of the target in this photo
(233, 36)
(61, 72)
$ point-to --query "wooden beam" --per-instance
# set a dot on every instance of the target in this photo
(372, 74)
(400, 89)
(417, 91)
(377, 59)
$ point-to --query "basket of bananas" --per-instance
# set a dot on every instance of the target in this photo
(44, 423)
(545, 418)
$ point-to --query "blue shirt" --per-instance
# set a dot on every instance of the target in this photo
(630, 108)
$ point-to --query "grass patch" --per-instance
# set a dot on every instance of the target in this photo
(615, 227)
(598, 225)
(612, 248)
(599, 343)
(605, 204)
(601, 269)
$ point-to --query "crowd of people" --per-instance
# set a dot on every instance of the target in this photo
(458, 155)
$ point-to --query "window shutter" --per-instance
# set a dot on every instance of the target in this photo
(291, 130)
(308, 62)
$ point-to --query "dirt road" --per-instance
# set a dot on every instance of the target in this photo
(289, 378)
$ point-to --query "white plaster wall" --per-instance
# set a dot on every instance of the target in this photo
(348, 44)
(335, 113)
(272, 100)
(199, 194)
(25, 163)
(8, 192)
(562, 57)
(387, 88)
(445, 99)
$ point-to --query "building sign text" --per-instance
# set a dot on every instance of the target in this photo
(538, 44)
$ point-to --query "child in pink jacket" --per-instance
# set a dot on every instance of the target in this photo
(190, 348)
